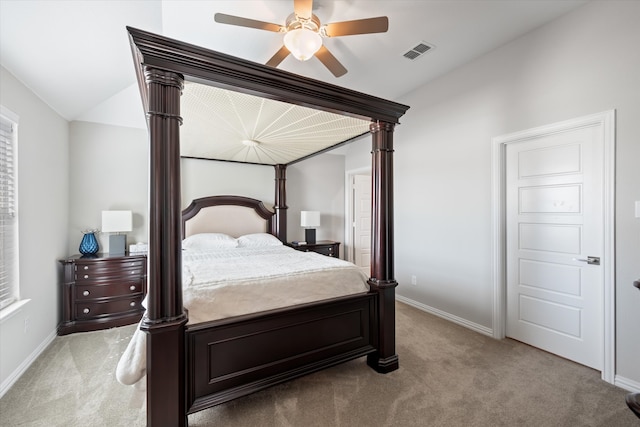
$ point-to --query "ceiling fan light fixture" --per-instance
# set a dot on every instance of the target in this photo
(303, 34)
(302, 43)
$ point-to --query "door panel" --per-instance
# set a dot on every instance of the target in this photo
(550, 238)
(560, 278)
(557, 318)
(362, 222)
(549, 161)
(551, 199)
(554, 219)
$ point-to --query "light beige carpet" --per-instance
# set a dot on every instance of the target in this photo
(448, 376)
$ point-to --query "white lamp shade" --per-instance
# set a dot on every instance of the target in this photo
(302, 43)
(310, 219)
(116, 221)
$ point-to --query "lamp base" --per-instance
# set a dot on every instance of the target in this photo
(117, 244)
(310, 235)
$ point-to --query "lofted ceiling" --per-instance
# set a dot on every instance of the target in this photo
(75, 55)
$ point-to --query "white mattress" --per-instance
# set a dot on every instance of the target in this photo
(232, 282)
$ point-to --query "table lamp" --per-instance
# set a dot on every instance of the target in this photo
(117, 222)
(310, 220)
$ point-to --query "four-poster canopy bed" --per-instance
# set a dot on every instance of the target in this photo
(192, 366)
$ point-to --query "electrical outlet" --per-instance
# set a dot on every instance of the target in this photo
(26, 325)
(414, 280)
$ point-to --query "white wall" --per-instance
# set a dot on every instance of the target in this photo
(586, 62)
(108, 170)
(317, 184)
(43, 206)
(201, 178)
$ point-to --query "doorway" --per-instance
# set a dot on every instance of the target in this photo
(553, 239)
(358, 224)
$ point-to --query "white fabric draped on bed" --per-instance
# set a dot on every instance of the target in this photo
(257, 276)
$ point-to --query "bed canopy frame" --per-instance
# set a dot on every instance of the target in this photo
(162, 66)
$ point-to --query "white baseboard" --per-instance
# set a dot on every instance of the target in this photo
(448, 316)
(627, 384)
(17, 373)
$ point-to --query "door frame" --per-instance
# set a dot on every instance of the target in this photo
(498, 225)
(348, 214)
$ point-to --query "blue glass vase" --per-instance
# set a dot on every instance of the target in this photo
(89, 243)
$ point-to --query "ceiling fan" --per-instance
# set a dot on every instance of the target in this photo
(303, 34)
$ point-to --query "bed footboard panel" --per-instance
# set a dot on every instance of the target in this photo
(229, 359)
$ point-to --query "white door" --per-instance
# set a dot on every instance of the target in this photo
(362, 222)
(555, 222)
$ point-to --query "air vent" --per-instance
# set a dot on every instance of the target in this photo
(417, 51)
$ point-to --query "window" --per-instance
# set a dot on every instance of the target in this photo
(8, 209)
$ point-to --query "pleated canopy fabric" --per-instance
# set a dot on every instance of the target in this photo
(220, 124)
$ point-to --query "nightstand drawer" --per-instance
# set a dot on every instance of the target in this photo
(109, 271)
(88, 292)
(96, 266)
(323, 247)
(325, 250)
(85, 310)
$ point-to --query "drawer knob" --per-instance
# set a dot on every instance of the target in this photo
(132, 303)
(86, 267)
(85, 293)
(85, 311)
(132, 264)
(133, 272)
(132, 287)
(86, 276)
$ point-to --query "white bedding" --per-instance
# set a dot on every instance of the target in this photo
(219, 267)
(225, 283)
(236, 281)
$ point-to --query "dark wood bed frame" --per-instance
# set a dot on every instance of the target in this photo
(323, 334)
(193, 367)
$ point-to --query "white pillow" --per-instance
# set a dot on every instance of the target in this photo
(209, 241)
(258, 240)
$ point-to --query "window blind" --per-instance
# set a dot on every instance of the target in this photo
(8, 214)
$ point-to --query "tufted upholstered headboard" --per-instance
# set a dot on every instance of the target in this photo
(232, 215)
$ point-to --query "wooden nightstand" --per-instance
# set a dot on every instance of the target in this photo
(324, 247)
(102, 291)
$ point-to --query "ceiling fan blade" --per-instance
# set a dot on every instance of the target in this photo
(278, 57)
(303, 8)
(359, 26)
(331, 62)
(245, 22)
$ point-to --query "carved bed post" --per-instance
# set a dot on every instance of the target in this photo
(382, 273)
(281, 207)
(165, 318)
